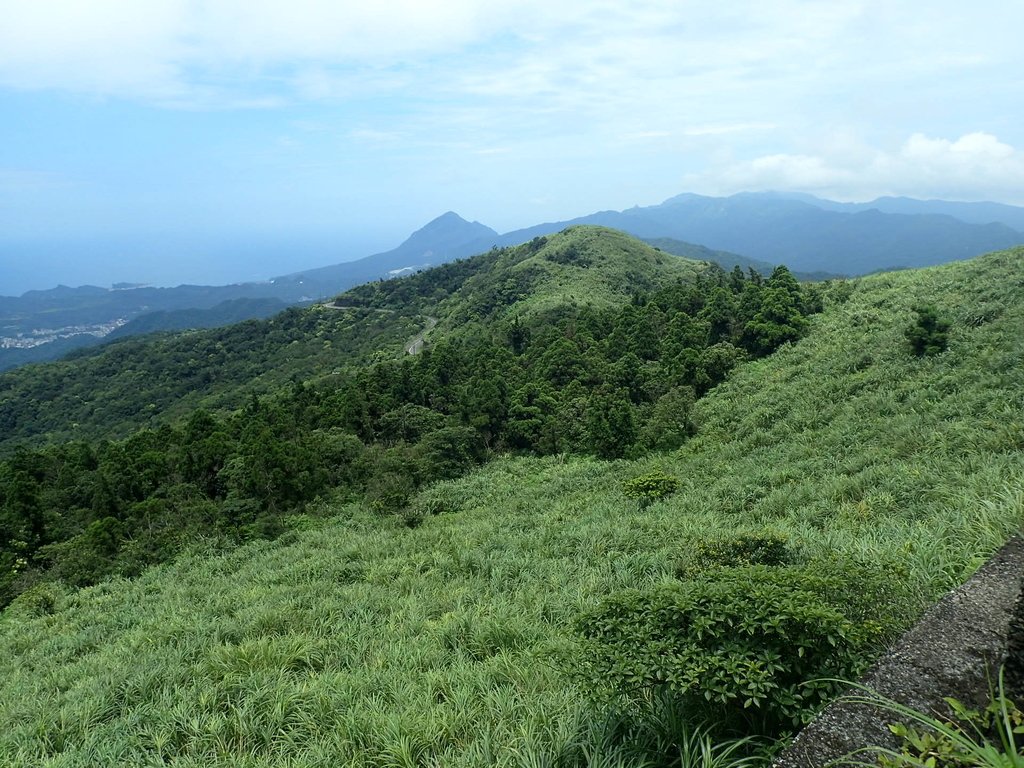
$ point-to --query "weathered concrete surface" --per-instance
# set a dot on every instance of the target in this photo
(955, 650)
(1014, 670)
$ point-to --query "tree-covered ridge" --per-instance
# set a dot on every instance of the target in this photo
(606, 379)
(149, 381)
(146, 381)
(840, 484)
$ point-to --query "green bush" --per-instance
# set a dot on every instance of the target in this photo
(88, 557)
(389, 492)
(929, 334)
(42, 599)
(735, 551)
(752, 650)
(652, 487)
(441, 498)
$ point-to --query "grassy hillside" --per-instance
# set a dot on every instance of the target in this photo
(511, 365)
(363, 641)
(145, 381)
(596, 266)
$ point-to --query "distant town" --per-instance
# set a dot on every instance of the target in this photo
(39, 336)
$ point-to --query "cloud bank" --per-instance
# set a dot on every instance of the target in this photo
(976, 166)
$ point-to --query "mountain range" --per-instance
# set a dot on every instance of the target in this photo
(814, 237)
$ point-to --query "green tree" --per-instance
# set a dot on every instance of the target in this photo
(929, 333)
(652, 487)
(718, 313)
(611, 429)
(668, 426)
(779, 318)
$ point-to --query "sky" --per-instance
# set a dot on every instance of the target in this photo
(169, 141)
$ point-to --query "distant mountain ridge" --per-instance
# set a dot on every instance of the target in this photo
(446, 238)
(725, 259)
(812, 236)
(147, 309)
(972, 213)
(806, 237)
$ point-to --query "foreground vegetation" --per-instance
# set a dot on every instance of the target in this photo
(515, 616)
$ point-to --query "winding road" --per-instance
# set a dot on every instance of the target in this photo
(415, 344)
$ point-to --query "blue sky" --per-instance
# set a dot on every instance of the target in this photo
(170, 141)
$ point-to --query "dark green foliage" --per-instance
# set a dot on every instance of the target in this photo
(740, 550)
(655, 734)
(748, 650)
(145, 381)
(780, 316)
(669, 424)
(389, 491)
(611, 428)
(929, 333)
(87, 557)
(649, 488)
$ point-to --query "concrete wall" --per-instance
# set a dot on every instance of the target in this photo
(955, 650)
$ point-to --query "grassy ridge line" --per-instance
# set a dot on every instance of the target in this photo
(590, 265)
(362, 642)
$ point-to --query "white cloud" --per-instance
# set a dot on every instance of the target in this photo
(577, 83)
(975, 166)
(974, 149)
(575, 52)
(105, 46)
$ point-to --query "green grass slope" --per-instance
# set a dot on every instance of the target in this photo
(360, 641)
(581, 265)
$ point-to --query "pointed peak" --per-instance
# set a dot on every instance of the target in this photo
(451, 226)
(447, 219)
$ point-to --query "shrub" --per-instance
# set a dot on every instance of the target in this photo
(88, 557)
(441, 498)
(388, 492)
(755, 649)
(929, 334)
(649, 488)
(42, 599)
(735, 551)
